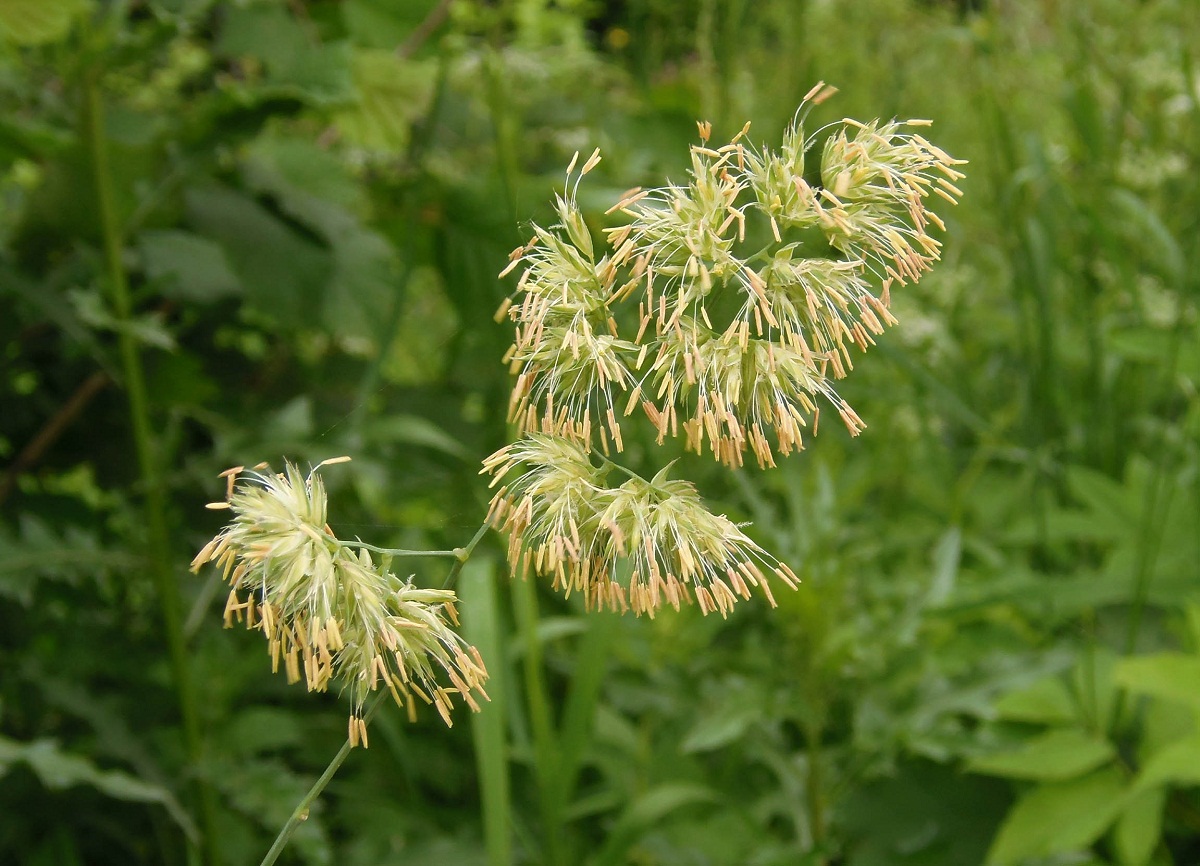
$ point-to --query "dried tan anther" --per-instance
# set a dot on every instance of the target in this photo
(329, 612)
(639, 545)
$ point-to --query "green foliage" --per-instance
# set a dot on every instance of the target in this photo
(240, 231)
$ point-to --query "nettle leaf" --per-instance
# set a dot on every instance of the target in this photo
(189, 267)
(283, 273)
(296, 66)
(1054, 755)
(383, 23)
(147, 329)
(1140, 827)
(313, 187)
(1171, 676)
(37, 22)
(1059, 817)
(37, 551)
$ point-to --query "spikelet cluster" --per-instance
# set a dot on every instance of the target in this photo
(636, 545)
(725, 309)
(329, 612)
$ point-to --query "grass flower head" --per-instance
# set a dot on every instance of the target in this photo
(327, 610)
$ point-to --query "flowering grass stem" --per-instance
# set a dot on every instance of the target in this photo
(300, 813)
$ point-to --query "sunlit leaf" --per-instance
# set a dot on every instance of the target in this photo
(1056, 754)
(1059, 817)
(1140, 827)
(36, 22)
(1171, 676)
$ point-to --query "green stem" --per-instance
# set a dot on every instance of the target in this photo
(151, 478)
(394, 551)
(462, 554)
(612, 464)
(815, 789)
(300, 813)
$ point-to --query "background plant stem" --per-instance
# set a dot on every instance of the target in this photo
(159, 540)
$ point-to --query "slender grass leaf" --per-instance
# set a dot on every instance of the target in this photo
(483, 628)
(579, 714)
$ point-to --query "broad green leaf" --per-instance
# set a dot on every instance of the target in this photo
(282, 272)
(644, 813)
(921, 814)
(261, 729)
(1140, 827)
(296, 170)
(1059, 817)
(1054, 755)
(296, 66)
(392, 93)
(37, 22)
(1175, 764)
(383, 23)
(147, 329)
(1170, 675)
(1144, 226)
(1104, 497)
(719, 728)
(1047, 702)
(189, 267)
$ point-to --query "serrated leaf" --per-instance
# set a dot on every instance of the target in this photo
(190, 267)
(57, 770)
(284, 273)
(37, 22)
(1140, 827)
(1059, 817)
(1054, 755)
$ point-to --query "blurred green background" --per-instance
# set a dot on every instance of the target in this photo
(239, 231)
